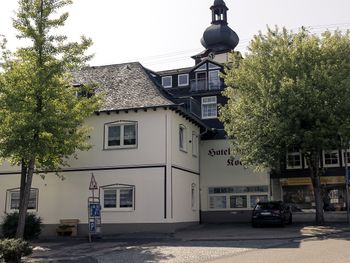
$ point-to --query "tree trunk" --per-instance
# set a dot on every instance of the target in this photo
(317, 187)
(24, 201)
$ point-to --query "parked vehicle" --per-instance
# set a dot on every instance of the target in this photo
(273, 212)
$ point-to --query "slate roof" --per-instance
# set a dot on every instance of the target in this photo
(123, 86)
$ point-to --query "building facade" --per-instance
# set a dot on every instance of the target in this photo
(160, 156)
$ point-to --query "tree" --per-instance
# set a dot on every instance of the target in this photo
(292, 90)
(41, 118)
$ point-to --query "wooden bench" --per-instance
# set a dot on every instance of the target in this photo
(68, 227)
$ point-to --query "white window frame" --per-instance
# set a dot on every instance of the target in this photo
(171, 81)
(209, 103)
(9, 193)
(122, 125)
(117, 189)
(324, 158)
(298, 153)
(187, 80)
(195, 144)
(183, 137)
(344, 157)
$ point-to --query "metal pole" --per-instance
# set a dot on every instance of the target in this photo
(347, 185)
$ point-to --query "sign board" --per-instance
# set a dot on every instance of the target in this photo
(94, 219)
(93, 183)
(95, 209)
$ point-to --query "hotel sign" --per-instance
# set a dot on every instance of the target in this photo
(230, 161)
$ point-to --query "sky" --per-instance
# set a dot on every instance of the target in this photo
(164, 34)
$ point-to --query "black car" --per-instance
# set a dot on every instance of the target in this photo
(273, 212)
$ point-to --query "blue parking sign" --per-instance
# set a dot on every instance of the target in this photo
(92, 227)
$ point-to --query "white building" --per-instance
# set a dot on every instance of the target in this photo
(159, 155)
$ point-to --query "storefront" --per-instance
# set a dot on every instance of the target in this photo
(229, 191)
(299, 191)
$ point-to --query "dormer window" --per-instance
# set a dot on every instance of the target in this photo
(183, 80)
(167, 81)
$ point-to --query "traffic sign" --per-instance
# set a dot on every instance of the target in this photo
(92, 227)
(93, 183)
(95, 210)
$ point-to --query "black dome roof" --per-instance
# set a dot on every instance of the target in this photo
(219, 37)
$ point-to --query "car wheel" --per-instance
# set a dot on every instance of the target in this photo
(282, 222)
(290, 220)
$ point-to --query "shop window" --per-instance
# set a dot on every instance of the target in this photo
(331, 158)
(182, 138)
(217, 202)
(13, 199)
(182, 80)
(236, 197)
(238, 201)
(167, 81)
(254, 199)
(294, 160)
(120, 135)
(118, 198)
(209, 107)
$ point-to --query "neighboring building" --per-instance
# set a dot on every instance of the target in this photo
(293, 184)
(160, 156)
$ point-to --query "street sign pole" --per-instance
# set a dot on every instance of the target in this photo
(94, 210)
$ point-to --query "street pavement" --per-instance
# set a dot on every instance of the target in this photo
(201, 243)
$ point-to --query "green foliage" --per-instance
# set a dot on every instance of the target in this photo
(41, 118)
(12, 250)
(32, 228)
(290, 90)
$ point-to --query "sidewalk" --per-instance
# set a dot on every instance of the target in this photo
(79, 250)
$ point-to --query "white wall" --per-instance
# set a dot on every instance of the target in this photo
(182, 197)
(217, 171)
(180, 158)
(68, 198)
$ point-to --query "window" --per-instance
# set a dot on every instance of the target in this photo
(182, 80)
(120, 135)
(331, 158)
(194, 144)
(347, 157)
(214, 80)
(167, 81)
(13, 199)
(118, 198)
(202, 67)
(236, 197)
(193, 196)
(238, 201)
(209, 107)
(182, 138)
(254, 199)
(294, 160)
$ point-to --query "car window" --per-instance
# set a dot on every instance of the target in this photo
(267, 206)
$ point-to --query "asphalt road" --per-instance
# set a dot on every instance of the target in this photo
(331, 249)
(328, 248)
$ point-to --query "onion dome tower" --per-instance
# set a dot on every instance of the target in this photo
(219, 37)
